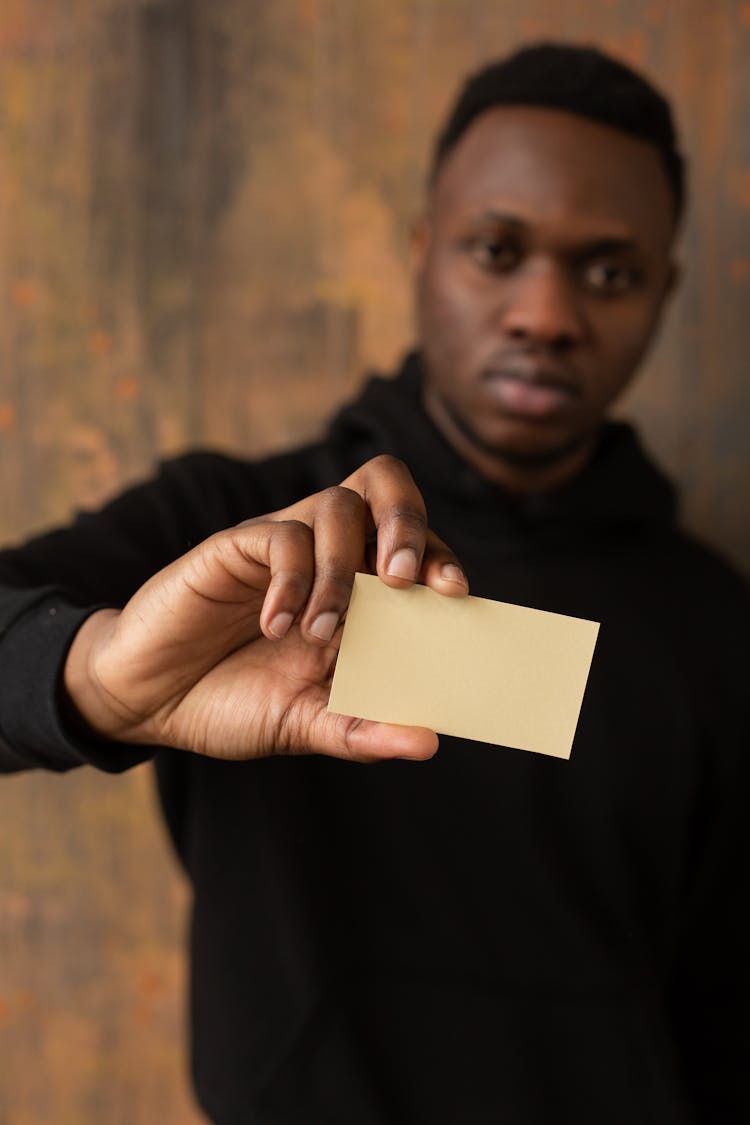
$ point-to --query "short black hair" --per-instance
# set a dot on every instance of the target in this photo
(581, 80)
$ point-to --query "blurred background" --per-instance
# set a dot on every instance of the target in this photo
(204, 218)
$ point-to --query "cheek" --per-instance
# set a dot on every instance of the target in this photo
(449, 310)
(623, 340)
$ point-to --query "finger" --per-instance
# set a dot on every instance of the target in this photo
(309, 727)
(290, 559)
(441, 569)
(339, 526)
(397, 511)
(396, 515)
(367, 741)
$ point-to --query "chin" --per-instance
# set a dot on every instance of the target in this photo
(528, 458)
(517, 442)
(530, 448)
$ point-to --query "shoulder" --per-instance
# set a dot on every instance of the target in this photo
(702, 602)
(699, 572)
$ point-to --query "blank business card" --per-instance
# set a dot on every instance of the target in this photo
(468, 667)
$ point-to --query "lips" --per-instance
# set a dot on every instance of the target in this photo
(531, 394)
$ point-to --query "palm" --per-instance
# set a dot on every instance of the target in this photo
(190, 658)
(266, 697)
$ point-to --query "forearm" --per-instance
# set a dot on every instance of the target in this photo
(82, 697)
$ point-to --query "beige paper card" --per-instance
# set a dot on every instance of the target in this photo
(469, 667)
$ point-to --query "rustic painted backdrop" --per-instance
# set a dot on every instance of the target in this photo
(204, 213)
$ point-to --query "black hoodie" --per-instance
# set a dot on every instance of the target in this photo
(490, 936)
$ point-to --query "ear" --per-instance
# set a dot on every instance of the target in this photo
(421, 235)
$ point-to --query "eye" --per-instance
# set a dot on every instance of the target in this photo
(604, 276)
(495, 254)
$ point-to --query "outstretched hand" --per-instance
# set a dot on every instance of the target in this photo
(230, 650)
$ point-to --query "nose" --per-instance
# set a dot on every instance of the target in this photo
(542, 308)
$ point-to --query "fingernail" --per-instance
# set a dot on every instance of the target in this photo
(280, 624)
(453, 573)
(324, 626)
(404, 564)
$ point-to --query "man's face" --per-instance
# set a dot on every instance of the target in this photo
(542, 266)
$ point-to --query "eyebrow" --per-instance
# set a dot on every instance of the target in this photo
(610, 244)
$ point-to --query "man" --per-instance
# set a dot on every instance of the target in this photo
(488, 936)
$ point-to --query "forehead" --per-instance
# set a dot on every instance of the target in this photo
(546, 165)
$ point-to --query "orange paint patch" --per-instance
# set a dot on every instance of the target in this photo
(744, 15)
(631, 47)
(739, 270)
(14, 35)
(127, 388)
(26, 1000)
(24, 294)
(531, 28)
(150, 983)
(395, 121)
(100, 343)
(143, 1016)
(309, 13)
(654, 15)
(740, 186)
(7, 416)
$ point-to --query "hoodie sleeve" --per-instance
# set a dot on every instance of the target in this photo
(36, 731)
(50, 585)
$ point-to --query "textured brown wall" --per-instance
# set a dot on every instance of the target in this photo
(204, 207)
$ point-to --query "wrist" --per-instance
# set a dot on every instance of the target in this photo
(84, 698)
